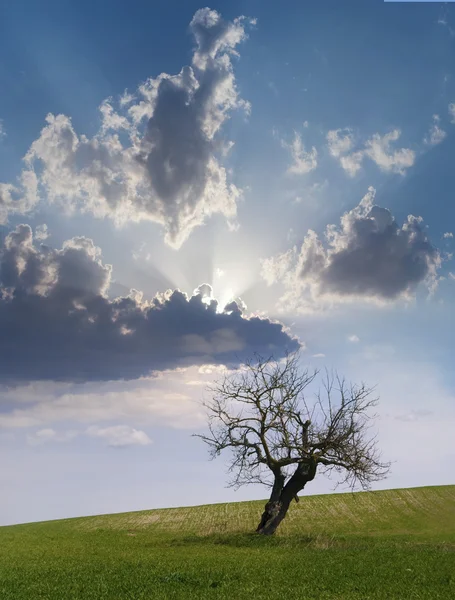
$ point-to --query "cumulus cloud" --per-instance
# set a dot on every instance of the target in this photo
(436, 135)
(19, 198)
(302, 161)
(157, 154)
(119, 436)
(367, 257)
(353, 338)
(377, 148)
(57, 323)
(448, 235)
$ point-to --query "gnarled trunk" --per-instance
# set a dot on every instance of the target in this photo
(270, 507)
(282, 496)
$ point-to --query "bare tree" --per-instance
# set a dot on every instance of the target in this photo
(279, 439)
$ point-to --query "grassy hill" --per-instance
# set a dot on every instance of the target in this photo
(368, 545)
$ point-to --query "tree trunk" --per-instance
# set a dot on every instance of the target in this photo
(277, 488)
(279, 502)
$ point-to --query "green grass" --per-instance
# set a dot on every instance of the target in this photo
(394, 544)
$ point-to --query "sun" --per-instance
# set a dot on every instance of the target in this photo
(228, 285)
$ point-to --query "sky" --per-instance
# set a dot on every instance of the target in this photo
(182, 186)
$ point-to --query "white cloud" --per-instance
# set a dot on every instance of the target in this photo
(353, 338)
(302, 161)
(352, 163)
(19, 198)
(395, 161)
(156, 157)
(43, 436)
(170, 398)
(436, 135)
(208, 369)
(120, 435)
(448, 234)
(377, 148)
(275, 269)
(41, 232)
(111, 119)
(340, 141)
(320, 355)
(135, 402)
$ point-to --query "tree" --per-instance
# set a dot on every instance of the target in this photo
(278, 439)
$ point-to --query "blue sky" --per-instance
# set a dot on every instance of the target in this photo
(272, 153)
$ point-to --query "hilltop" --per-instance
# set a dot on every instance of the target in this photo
(382, 544)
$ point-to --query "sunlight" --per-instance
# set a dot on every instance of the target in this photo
(229, 285)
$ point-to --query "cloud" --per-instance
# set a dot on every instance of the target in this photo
(377, 148)
(157, 155)
(275, 269)
(2, 129)
(156, 400)
(57, 323)
(169, 398)
(50, 435)
(340, 141)
(19, 198)
(302, 161)
(448, 234)
(41, 232)
(116, 436)
(368, 257)
(436, 135)
(119, 436)
(388, 160)
(352, 163)
(353, 338)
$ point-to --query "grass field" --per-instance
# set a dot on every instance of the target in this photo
(388, 544)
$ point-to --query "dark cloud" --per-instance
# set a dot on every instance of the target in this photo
(57, 323)
(373, 256)
(368, 256)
